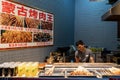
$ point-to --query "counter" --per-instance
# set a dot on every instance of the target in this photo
(73, 71)
(54, 78)
(84, 71)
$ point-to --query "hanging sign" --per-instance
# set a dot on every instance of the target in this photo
(23, 26)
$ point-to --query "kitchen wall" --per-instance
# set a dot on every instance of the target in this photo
(63, 11)
(90, 28)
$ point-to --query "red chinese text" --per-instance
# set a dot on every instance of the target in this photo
(33, 13)
(22, 11)
(42, 16)
(50, 18)
(18, 45)
(8, 7)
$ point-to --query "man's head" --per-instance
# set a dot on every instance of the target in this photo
(80, 45)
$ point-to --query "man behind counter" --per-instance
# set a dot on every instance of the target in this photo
(83, 54)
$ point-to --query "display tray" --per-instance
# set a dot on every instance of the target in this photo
(86, 65)
(72, 70)
(62, 75)
(80, 76)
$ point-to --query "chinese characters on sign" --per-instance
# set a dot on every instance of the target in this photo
(22, 26)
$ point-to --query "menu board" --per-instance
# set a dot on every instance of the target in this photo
(23, 26)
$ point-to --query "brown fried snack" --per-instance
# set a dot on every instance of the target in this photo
(32, 23)
(11, 20)
(16, 37)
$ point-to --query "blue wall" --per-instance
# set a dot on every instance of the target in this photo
(90, 28)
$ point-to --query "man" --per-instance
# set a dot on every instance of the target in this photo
(83, 54)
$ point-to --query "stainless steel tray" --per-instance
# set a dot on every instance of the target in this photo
(98, 70)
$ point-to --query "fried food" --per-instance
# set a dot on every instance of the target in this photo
(115, 71)
(42, 37)
(46, 25)
(11, 20)
(32, 23)
(16, 37)
(80, 71)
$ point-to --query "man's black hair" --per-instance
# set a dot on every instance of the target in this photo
(80, 42)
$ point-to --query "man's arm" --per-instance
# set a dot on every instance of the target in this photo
(77, 59)
(92, 60)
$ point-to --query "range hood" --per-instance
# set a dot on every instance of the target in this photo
(113, 14)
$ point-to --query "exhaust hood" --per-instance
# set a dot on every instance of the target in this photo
(113, 14)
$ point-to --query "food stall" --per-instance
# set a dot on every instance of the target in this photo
(59, 71)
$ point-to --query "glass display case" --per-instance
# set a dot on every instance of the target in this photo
(81, 70)
(59, 71)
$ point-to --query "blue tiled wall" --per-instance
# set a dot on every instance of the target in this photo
(90, 28)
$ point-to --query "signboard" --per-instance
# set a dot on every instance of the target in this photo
(23, 26)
